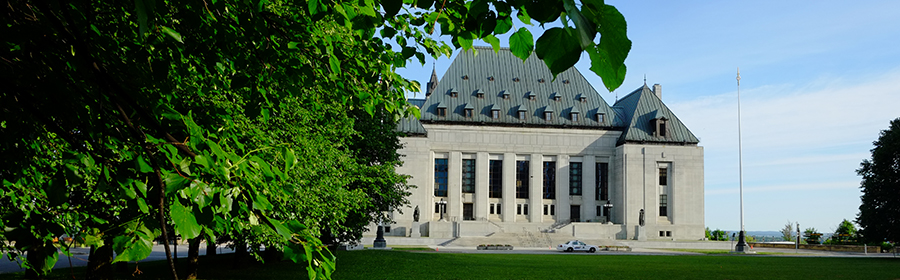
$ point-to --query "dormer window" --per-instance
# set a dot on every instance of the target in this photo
(491, 78)
(506, 95)
(441, 110)
(495, 114)
(557, 97)
(531, 96)
(548, 116)
(479, 94)
(583, 99)
(521, 113)
(516, 80)
(541, 80)
(465, 77)
(660, 126)
(601, 117)
(574, 114)
(468, 113)
(454, 93)
(565, 82)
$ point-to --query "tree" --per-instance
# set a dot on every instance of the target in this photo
(879, 213)
(811, 236)
(787, 233)
(124, 123)
(845, 233)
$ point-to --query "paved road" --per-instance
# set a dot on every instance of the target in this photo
(80, 257)
(776, 252)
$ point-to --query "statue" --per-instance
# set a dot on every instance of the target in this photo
(416, 214)
(641, 219)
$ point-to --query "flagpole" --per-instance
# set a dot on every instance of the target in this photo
(742, 244)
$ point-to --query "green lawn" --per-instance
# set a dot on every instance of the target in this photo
(372, 264)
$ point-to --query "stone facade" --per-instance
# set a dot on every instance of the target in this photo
(587, 175)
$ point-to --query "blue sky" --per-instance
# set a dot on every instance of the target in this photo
(819, 81)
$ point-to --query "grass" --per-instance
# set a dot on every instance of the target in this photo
(377, 264)
(726, 252)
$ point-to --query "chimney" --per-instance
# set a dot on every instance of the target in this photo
(657, 89)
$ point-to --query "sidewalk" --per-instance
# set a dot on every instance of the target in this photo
(80, 256)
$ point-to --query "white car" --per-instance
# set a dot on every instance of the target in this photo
(576, 245)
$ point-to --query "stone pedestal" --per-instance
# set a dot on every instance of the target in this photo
(641, 234)
(415, 230)
(379, 238)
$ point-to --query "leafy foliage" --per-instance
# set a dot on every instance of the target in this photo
(787, 233)
(879, 213)
(812, 236)
(266, 121)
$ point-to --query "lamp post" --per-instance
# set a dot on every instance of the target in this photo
(442, 207)
(742, 244)
(608, 207)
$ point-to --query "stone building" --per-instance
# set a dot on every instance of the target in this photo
(502, 146)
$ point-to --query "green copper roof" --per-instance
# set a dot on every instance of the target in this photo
(496, 74)
(640, 108)
(411, 125)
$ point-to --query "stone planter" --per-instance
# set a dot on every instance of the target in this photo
(494, 247)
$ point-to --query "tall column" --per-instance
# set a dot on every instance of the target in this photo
(589, 193)
(562, 188)
(482, 163)
(536, 192)
(509, 188)
(454, 188)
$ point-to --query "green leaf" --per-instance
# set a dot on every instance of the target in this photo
(465, 40)
(174, 182)
(293, 45)
(612, 76)
(143, 166)
(584, 28)
(193, 128)
(280, 228)
(289, 159)
(523, 16)
(495, 43)
(184, 220)
(142, 205)
(261, 203)
(314, 7)
(521, 43)
(424, 4)
(559, 49)
(504, 24)
(391, 7)
(172, 33)
(334, 63)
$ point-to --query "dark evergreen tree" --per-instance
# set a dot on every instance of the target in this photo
(879, 214)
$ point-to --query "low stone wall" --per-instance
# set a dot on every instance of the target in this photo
(821, 247)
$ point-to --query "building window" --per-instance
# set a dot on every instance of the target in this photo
(524, 209)
(468, 175)
(662, 129)
(663, 205)
(442, 112)
(602, 181)
(522, 179)
(600, 210)
(583, 99)
(663, 176)
(518, 209)
(660, 125)
(575, 174)
(468, 212)
(469, 113)
(662, 233)
(573, 116)
(600, 117)
(548, 116)
(549, 180)
(557, 97)
(440, 207)
(440, 177)
(479, 94)
(552, 209)
(454, 94)
(387, 229)
(495, 178)
(506, 96)
(495, 114)
(498, 209)
(546, 209)
(522, 115)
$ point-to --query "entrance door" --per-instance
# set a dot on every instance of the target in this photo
(575, 212)
(468, 213)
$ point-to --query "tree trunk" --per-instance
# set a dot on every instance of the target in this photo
(193, 257)
(240, 250)
(100, 262)
(35, 261)
(211, 247)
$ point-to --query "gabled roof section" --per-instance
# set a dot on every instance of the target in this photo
(411, 125)
(639, 109)
(502, 72)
